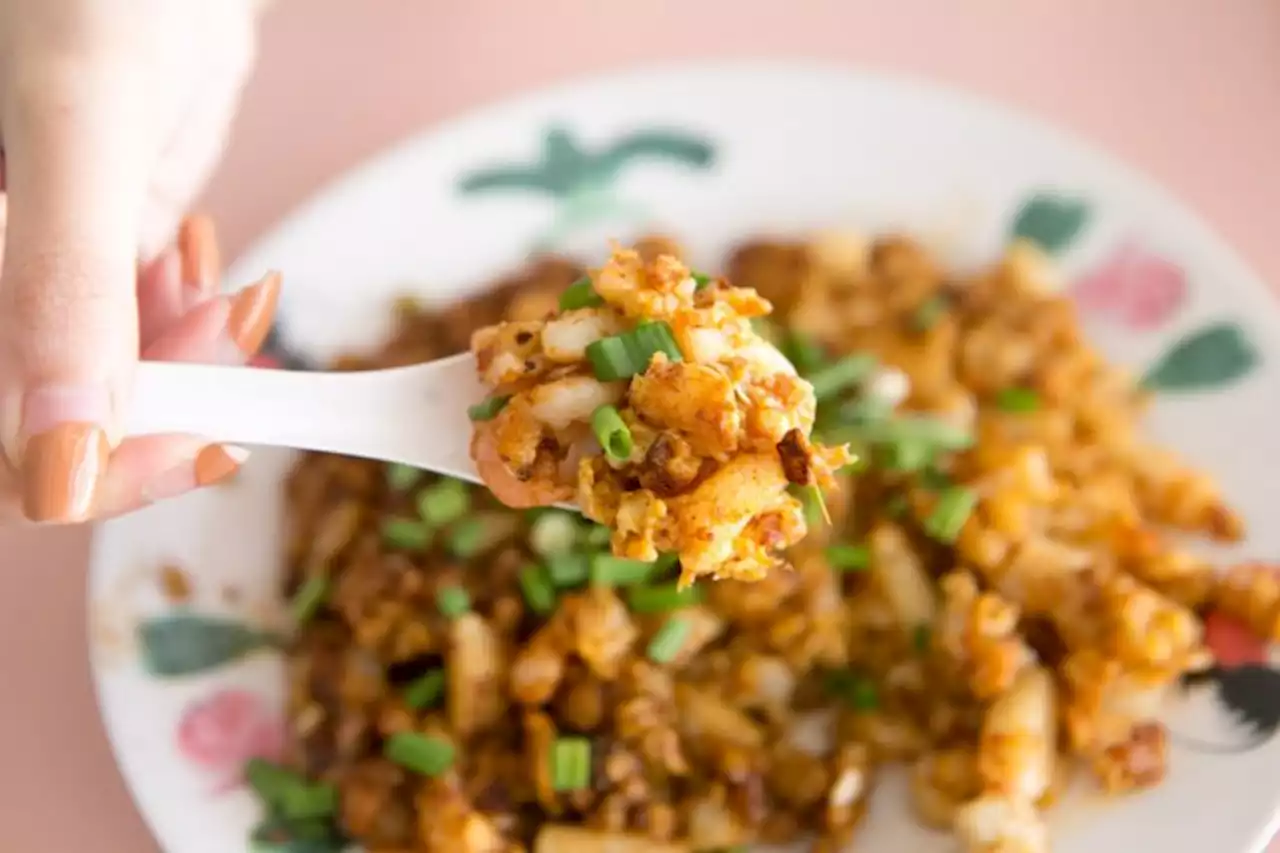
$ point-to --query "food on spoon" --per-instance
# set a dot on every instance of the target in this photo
(651, 400)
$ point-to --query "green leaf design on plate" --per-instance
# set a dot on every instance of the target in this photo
(566, 168)
(1051, 220)
(188, 643)
(1215, 355)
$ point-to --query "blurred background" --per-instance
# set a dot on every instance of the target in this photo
(1186, 90)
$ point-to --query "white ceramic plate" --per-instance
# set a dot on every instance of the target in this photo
(710, 153)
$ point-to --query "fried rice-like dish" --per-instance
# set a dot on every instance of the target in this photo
(998, 602)
(651, 399)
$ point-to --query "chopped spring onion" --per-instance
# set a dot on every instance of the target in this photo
(453, 601)
(596, 536)
(661, 598)
(407, 533)
(568, 570)
(839, 376)
(815, 505)
(954, 506)
(424, 754)
(1017, 400)
(848, 558)
(538, 591)
(612, 433)
(928, 313)
(425, 691)
(935, 479)
(607, 570)
(700, 280)
(571, 764)
(309, 598)
(668, 640)
(488, 408)
(856, 691)
(804, 353)
(664, 564)
(939, 434)
(401, 477)
(623, 356)
(553, 532)
(580, 294)
(469, 537)
(444, 502)
(865, 409)
(920, 638)
(289, 793)
(907, 455)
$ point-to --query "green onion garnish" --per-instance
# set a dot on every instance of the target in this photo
(664, 564)
(940, 435)
(553, 532)
(907, 455)
(1018, 400)
(580, 294)
(538, 591)
(804, 353)
(453, 601)
(668, 640)
(309, 598)
(571, 764)
(487, 409)
(623, 356)
(424, 754)
(661, 598)
(607, 570)
(596, 536)
(700, 280)
(288, 792)
(848, 558)
(444, 502)
(612, 433)
(568, 570)
(469, 537)
(865, 409)
(401, 477)
(954, 506)
(839, 376)
(920, 638)
(425, 691)
(857, 691)
(811, 499)
(409, 534)
(935, 479)
(928, 313)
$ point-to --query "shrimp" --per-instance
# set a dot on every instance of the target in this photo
(504, 483)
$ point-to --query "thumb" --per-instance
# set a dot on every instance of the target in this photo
(76, 177)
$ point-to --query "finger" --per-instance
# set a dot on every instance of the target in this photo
(160, 298)
(151, 468)
(223, 330)
(180, 278)
(76, 167)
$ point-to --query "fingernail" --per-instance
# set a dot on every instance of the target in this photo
(217, 462)
(214, 463)
(62, 450)
(252, 311)
(61, 469)
(201, 259)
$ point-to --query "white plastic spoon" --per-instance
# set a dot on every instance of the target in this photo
(416, 415)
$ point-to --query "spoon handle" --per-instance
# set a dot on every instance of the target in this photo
(416, 415)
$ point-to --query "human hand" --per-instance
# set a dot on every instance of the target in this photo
(112, 115)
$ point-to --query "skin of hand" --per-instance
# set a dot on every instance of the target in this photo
(112, 115)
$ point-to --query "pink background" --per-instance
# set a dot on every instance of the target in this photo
(1187, 90)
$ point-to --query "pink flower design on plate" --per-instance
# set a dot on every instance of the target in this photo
(1134, 285)
(224, 730)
